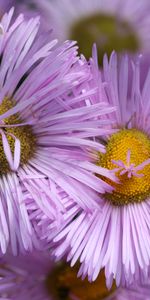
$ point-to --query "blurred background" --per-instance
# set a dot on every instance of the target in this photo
(111, 24)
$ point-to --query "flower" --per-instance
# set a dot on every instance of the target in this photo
(35, 277)
(112, 25)
(42, 101)
(116, 236)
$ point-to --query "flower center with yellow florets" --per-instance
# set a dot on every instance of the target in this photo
(128, 156)
(17, 141)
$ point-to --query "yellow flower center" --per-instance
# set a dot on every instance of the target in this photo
(107, 31)
(23, 133)
(128, 154)
(63, 284)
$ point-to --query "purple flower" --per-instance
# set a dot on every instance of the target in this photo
(117, 235)
(35, 277)
(112, 25)
(44, 127)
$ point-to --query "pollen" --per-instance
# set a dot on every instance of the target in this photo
(23, 133)
(128, 156)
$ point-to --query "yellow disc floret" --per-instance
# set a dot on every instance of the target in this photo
(134, 185)
(23, 133)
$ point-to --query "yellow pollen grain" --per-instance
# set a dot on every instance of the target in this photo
(134, 189)
(23, 133)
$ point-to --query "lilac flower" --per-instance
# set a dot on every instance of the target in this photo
(42, 106)
(116, 236)
(112, 25)
(35, 277)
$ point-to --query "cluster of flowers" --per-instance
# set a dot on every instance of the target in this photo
(74, 168)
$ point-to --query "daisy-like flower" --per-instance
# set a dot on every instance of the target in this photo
(111, 24)
(42, 104)
(35, 277)
(117, 238)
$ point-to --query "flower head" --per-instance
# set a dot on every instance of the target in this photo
(35, 277)
(112, 25)
(116, 236)
(42, 101)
